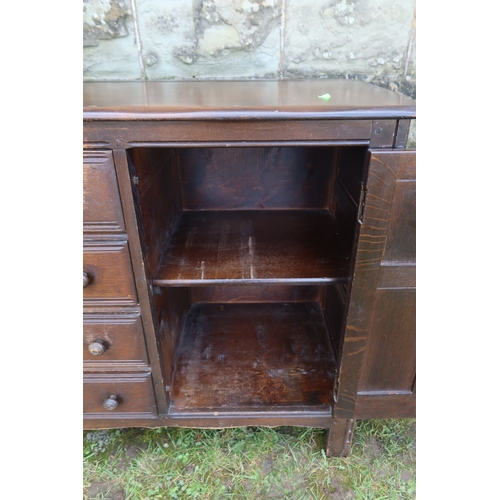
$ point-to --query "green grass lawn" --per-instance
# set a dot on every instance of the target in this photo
(249, 463)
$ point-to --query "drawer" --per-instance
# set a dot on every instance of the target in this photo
(102, 211)
(108, 276)
(113, 339)
(118, 394)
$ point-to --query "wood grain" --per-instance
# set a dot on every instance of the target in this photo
(390, 358)
(254, 247)
(155, 183)
(123, 337)
(401, 236)
(102, 211)
(111, 276)
(383, 170)
(254, 357)
(386, 406)
(134, 392)
(255, 178)
(242, 100)
(254, 294)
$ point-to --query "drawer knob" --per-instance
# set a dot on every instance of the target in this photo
(97, 348)
(111, 403)
(86, 280)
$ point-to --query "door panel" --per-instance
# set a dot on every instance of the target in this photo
(389, 364)
(377, 364)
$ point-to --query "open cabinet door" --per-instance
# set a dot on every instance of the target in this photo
(377, 369)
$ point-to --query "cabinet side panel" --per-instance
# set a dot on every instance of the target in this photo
(335, 302)
(172, 307)
(389, 364)
(157, 196)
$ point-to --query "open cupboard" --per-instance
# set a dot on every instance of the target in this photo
(270, 246)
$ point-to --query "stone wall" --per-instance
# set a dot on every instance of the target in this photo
(370, 40)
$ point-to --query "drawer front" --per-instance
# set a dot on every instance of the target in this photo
(120, 393)
(102, 211)
(113, 339)
(108, 278)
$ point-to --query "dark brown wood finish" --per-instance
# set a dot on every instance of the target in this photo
(155, 182)
(389, 366)
(255, 178)
(267, 188)
(340, 435)
(398, 405)
(210, 421)
(122, 338)
(111, 281)
(254, 357)
(102, 211)
(143, 283)
(226, 100)
(383, 133)
(397, 276)
(387, 381)
(172, 308)
(254, 247)
(255, 294)
(133, 393)
(401, 237)
(117, 134)
(383, 173)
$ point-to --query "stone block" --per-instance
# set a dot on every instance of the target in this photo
(109, 49)
(365, 39)
(209, 38)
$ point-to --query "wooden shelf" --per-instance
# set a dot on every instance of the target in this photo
(254, 357)
(254, 247)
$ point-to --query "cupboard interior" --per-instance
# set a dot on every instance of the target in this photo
(250, 252)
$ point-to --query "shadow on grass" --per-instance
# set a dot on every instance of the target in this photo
(249, 463)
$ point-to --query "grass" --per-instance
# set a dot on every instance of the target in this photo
(249, 463)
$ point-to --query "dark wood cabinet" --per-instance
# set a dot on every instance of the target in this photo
(249, 255)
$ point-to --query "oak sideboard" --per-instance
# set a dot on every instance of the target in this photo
(248, 255)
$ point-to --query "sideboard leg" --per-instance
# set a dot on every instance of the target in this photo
(339, 438)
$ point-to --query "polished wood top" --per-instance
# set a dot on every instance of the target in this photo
(223, 99)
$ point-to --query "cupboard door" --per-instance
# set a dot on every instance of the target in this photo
(377, 372)
(387, 382)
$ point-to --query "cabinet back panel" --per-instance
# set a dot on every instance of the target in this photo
(255, 178)
(254, 294)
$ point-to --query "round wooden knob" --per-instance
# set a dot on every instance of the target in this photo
(111, 403)
(86, 280)
(97, 348)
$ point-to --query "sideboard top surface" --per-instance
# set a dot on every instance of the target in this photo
(242, 100)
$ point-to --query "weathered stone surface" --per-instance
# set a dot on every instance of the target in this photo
(370, 40)
(210, 38)
(363, 39)
(115, 59)
(109, 49)
(104, 19)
